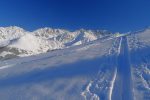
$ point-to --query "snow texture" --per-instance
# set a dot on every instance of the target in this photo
(80, 65)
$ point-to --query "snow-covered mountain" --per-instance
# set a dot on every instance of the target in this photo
(75, 73)
(10, 33)
(15, 41)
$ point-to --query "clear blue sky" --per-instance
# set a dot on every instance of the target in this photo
(113, 15)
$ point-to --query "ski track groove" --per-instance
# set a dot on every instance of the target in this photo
(112, 84)
(123, 89)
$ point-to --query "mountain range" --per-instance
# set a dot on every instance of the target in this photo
(17, 42)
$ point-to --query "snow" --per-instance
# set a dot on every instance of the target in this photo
(123, 84)
(62, 74)
(4, 67)
(10, 33)
(88, 95)
(31, 45)
(84, 65)
(139, 45)
(35, 44)
(4, 53)
(23, 43)
(112, 84)
(4, 43)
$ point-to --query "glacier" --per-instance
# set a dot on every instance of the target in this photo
(79, 65)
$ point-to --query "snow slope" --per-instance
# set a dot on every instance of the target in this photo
(75, 73)
(139, 44)
(35, 44)
(88, 67)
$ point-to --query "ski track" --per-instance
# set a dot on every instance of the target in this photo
(112, 84)
(123, 85)
(88, 93)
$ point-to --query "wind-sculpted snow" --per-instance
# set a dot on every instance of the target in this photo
(75, 73)
(140, 61)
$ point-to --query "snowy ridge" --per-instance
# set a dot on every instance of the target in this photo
(18, 42)
(10, 33)
(36, 45)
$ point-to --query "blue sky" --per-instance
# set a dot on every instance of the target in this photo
(113, 15)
